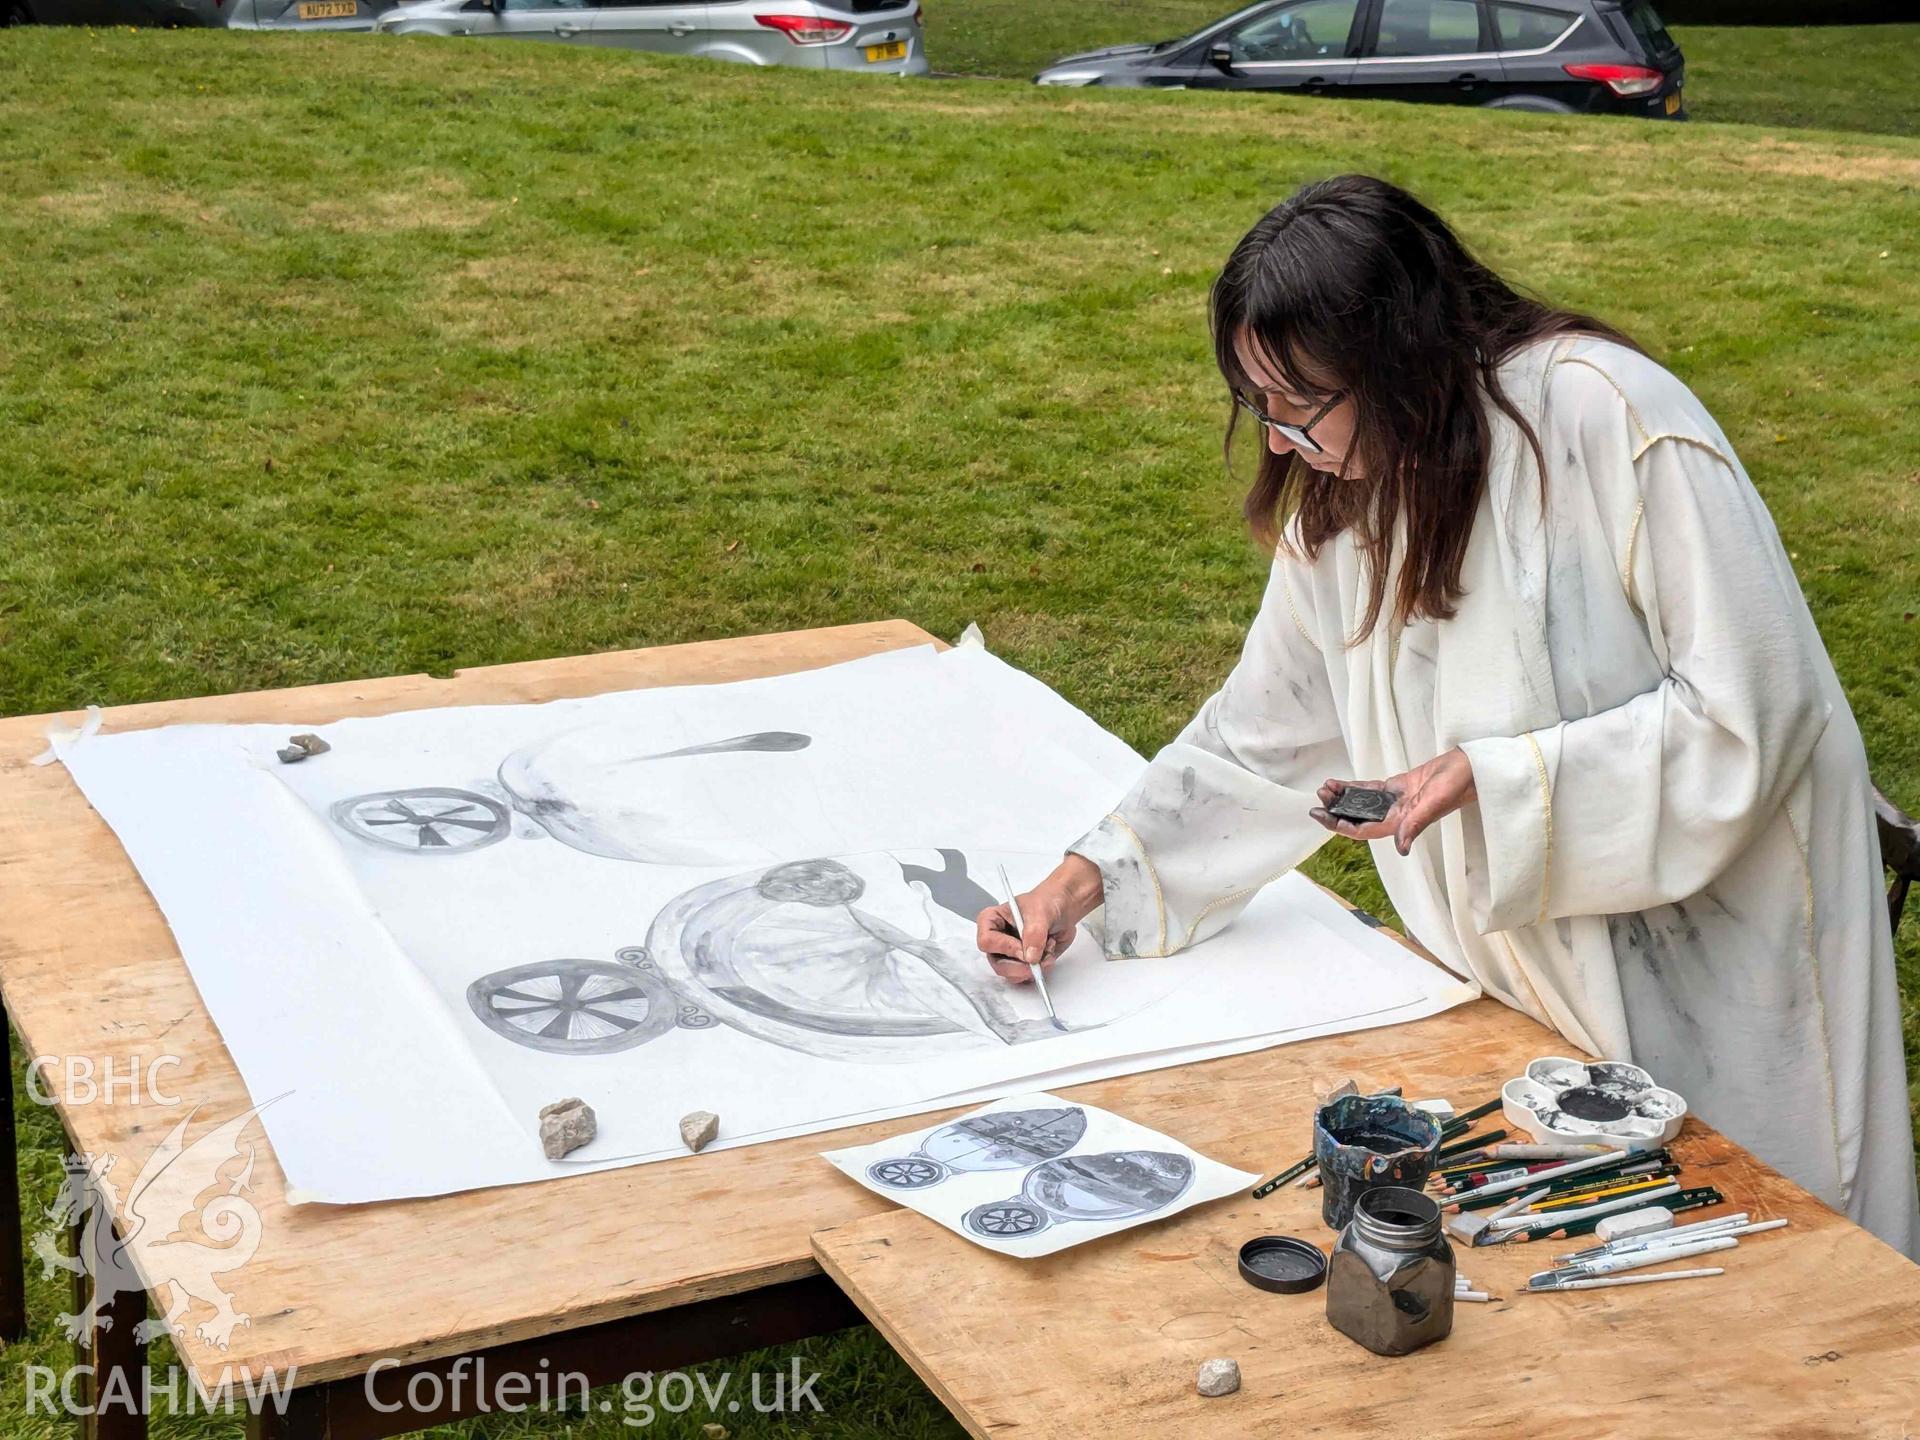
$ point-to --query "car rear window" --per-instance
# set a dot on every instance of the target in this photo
(1524, 28)
(1647, 26)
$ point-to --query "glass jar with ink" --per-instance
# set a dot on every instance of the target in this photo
(1390, 1280)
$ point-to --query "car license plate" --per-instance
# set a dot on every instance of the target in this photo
(892, 50)
(1673, 103)
(328, 9)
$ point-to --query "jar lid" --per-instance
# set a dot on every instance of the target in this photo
(1282, 1263)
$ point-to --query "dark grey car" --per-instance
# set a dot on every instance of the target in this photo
(1608, 56)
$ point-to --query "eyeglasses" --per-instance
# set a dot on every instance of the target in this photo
(1300, 435)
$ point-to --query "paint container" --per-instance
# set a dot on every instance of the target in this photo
(1364, 1141)
(1390, 1282)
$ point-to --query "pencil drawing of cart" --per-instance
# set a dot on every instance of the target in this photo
(866, 958)
(1113, 1187)
(1000, 1140)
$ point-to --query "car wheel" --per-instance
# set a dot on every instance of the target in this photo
(16, 13)
(1539, 104)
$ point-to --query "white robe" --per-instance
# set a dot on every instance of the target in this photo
(1672, 859)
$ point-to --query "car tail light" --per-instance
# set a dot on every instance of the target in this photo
(807, 29)
(1621, 79)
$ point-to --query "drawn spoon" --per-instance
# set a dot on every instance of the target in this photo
(777, 741)
(1020, 932)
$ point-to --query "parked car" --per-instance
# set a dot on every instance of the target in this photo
(877, 36)
(237, 14)
(165, 13)
(306, 14)
(1591, 56)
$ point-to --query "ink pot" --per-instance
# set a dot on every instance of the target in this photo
(1364, 1141)
(1390, 1281)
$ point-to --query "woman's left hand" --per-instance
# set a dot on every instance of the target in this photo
(1421, 796)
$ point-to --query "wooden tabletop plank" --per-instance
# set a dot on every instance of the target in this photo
(90, 973)
(1813, 1331)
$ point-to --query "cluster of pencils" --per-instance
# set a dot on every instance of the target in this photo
(1500, 1194)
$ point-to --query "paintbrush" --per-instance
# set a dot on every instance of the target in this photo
(1020, 933)
(1601, 1282)
(1633, 1260)
(1658, 1240)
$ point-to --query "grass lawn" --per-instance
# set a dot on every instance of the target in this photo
(1834, 77)
(333, 357)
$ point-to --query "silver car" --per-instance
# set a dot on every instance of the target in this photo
(879, 36)
(305, 14)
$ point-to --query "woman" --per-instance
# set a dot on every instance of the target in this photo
(1520, 574)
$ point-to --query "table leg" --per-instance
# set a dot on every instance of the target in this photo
(112, 1389)
(13, 1263)
(304, 1417)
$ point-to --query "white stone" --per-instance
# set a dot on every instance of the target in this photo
(698, 1129)
(1219, 1377)
(566, 1125)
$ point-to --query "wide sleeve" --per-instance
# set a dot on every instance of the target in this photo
(1222, 810)
(1644, 804)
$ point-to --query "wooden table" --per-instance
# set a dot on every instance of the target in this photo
(709, 1255)
(1813, 1331)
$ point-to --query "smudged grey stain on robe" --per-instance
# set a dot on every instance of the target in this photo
(1652, 975)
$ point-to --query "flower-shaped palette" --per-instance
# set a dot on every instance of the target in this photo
(1561, 1101)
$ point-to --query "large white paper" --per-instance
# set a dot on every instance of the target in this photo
(754, 898)
(1032, 1174)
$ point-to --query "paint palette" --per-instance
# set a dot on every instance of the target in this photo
(1561, 1101)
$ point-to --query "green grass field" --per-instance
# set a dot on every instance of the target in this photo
(324, 358)
(1835, 77)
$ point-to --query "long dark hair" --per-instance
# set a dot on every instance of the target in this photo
(1353, 286)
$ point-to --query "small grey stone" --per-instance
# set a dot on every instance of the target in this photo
(291, 755)
(698, 1129)
(565, 1126)
(312, 744)
(1219, 1377)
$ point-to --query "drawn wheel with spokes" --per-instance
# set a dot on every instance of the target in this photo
(424, 820)
(1004, 1218)
(574, 1007)
(907, 1173)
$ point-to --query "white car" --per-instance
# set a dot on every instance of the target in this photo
(879, 36)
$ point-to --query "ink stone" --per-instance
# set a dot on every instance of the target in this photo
(1361, 805)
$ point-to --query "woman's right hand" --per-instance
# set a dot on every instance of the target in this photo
(1053, 910)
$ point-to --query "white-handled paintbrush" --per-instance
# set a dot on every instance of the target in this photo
(1602, 1281)
(1020, 933)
